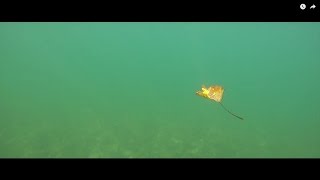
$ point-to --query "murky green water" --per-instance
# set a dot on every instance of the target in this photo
(128, 89)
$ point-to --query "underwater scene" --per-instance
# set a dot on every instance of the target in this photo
(159, 90)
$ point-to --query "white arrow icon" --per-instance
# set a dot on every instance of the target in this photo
(313, 6)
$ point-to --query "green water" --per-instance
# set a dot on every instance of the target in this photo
(128, 89)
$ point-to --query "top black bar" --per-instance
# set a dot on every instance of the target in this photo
(211, 11)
